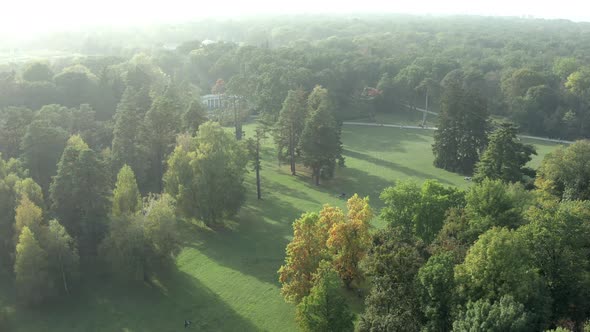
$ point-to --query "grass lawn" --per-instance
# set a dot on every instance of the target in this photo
(226, 279)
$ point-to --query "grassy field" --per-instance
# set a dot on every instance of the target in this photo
(226, 279)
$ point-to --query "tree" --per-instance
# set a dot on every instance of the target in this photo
(126, 196)
(500, 264)
(127, 149)
(123, 249)
(304, 254)
(392, 265)
(31, 269)
(28, 215)
(38, 71)
(140, 244)
(320, 140)
(13, 127)
(436, 283)
(160, 230)
(290, 125)
(558, 234)
(505, 157)
(161, 124)
(254, 149)
(62, 253)
(206, 174)
(349, 240)
(79, 194)
(325, 308)
(505, 314)
(29, 188)
(419, 211)
(42, 147)
(194, 116)
(494, 203)
(565, 172)
(461, 134)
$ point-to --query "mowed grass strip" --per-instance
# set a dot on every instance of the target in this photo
(226, 279)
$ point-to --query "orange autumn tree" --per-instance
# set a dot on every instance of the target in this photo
(349, 241)
(304, 254)
(331, 236)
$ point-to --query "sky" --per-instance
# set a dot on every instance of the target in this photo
(27, 16)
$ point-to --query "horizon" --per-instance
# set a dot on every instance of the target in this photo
(68, 15)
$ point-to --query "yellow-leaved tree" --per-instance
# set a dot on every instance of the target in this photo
(342, 240)
(349, 241)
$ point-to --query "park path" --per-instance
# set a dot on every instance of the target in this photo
(369, 124)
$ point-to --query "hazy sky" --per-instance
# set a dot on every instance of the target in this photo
(40, 15)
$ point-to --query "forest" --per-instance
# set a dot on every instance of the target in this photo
(111, 159)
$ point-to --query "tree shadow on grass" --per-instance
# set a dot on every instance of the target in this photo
(391, 165)
(379, 139)
(257, 246)
(102, 305)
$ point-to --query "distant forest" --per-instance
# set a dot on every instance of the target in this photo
(534, 72)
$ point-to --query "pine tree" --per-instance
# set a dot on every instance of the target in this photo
(161, 124)
(320, 140)
(461, 134)
(505, 157)
(127, 148)
(290, 125)
(79, 194)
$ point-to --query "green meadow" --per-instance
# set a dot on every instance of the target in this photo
(226, 279)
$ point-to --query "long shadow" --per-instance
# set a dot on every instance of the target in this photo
(257, 246)
(106, 306)
(380, 139)
(388, 164)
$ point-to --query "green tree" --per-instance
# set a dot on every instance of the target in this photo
(28, 215)
(392, 265)
(206, 174)
(499, 316)
(31, 269)
(162, 123)
(320, 140)
(505, 157)
(160, 230)
(62, 253)
(436, 284)
(254, 146)
(127, 148)
(494, 203)
(419, 210)
(461, 134)
(126, 196)
(42, 147)
(123, 249)
(559, 235)
(28, 187)
(37, 71)
(500, 264)
(290, 125)
(13, 127)
(325, 308)
(194, 116)
(565, 172)
(79, 194)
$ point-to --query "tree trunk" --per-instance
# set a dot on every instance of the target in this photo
(292, 151)
(258, 193)
(316, 173)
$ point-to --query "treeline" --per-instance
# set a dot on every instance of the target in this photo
(496, 257)
(534, 72)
